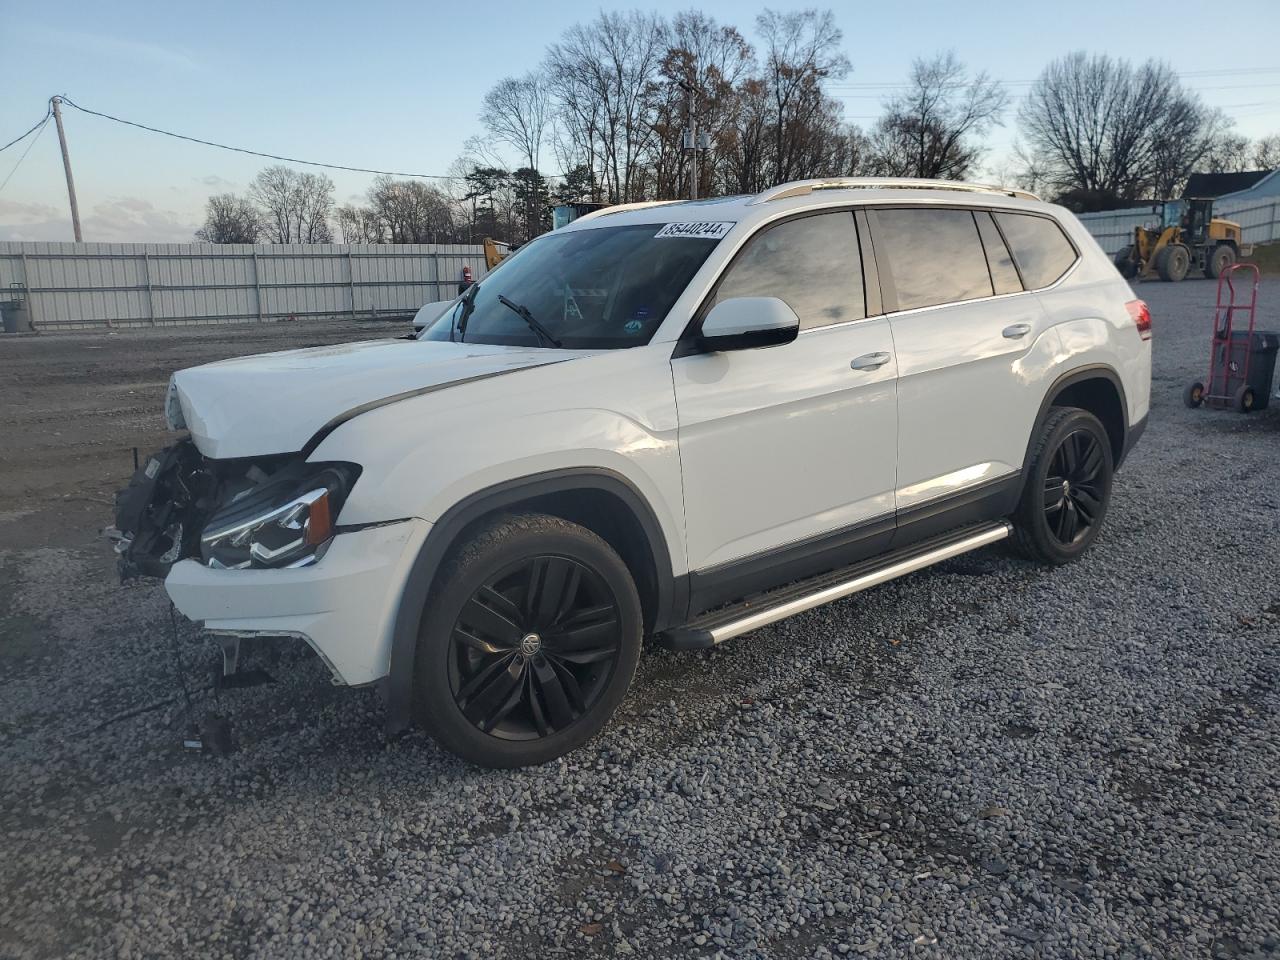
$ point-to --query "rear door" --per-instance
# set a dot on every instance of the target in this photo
(788, 452)
(969, 342)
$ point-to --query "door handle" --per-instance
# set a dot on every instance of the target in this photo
(1016, 331)
(870, 361)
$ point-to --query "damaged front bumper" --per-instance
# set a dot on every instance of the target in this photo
(344, 606)
(252, 548)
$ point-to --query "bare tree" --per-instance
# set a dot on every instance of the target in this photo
(602, 75)
(516, 112)
(801, 50)
(229, 219)
(295, 207)
(410, 211)
(1266, 152)
(934, 128)
(359, 225)
(1101, 131)
(1228, 153)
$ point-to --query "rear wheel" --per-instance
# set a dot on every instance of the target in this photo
(528, 643)
(1193, 396)
(1068, 489)
(1219, 258)
(1244, 399)
(1173, 262)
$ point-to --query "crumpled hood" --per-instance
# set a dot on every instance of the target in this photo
(276, 402)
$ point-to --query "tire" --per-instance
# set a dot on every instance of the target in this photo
(1068, 488)
(528, 643)
(1193, 396)
(1125, 263)
(1244, 399)
(1218, 259)
(1173, 262)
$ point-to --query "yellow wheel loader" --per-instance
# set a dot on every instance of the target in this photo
(1191, 238)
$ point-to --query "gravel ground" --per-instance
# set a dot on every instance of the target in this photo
(984, 759)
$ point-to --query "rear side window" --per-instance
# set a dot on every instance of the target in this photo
(1041, 248)
(935, 256)
(1004, 275)
(812, 264)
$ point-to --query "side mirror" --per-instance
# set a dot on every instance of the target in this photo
(429, 313)
(747, 322)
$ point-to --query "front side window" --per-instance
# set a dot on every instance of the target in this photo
(602, 288)
(1041, 248)
(810, 263)
(935, 256)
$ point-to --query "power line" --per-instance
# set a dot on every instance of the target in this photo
(1202, 74)
(39, 127)
(256, 153)
(39, 123)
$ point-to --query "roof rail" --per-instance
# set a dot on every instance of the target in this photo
(800, 188)
(623, 208)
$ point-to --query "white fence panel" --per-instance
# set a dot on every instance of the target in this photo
(1113, 229)
(1259, 218)
(74, 286)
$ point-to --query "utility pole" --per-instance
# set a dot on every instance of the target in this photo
(690, 143)
(693, 141)
(66, 165)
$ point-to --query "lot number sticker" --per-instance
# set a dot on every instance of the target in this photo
(702, 230)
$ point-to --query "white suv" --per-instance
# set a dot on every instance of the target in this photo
(683, 420)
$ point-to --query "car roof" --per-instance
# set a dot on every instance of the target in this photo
(809, 194)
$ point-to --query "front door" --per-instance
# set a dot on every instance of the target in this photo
(788, 453)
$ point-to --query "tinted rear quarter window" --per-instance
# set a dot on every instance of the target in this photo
(1041, 249)
(810, 263)
(935, 256)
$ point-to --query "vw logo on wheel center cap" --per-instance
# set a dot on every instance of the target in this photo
(530, 644)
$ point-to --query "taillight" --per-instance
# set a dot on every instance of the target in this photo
(1140, 313)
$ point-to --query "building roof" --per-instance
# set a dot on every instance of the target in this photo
(1218, 184)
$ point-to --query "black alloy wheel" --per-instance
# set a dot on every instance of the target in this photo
(1067, 487)
(1073, 491)
(528, 641)
(533, 648)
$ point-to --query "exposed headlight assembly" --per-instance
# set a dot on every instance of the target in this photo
(288, 521)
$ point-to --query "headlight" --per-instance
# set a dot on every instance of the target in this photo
(287, 521)
(173, 417)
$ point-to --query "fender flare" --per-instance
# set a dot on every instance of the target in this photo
(672, 591)
(1068, 379)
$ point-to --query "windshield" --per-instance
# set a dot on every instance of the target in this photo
(603, 288)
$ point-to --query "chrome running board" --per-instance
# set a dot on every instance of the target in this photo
(721, 625)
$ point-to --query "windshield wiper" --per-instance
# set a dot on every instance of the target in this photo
(524, 314)
(468, 304)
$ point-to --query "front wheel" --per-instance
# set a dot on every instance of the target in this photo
(1173, 262)
(528, 643)
(1068, 489)
(1193, 396)
(1126, 263)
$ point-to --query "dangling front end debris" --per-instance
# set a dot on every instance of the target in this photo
(263, 513)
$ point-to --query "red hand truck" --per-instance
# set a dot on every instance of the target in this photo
(1228, 385)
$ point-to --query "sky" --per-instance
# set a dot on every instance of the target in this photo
(398, 86)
